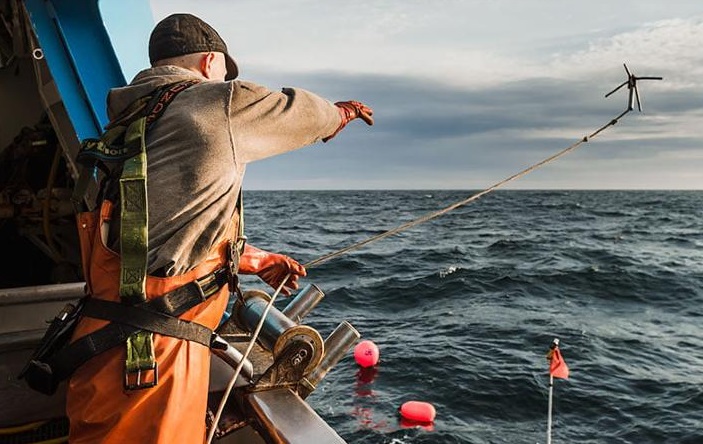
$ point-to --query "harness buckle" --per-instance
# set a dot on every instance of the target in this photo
(133, 379)
(207, 286)
(235, 248)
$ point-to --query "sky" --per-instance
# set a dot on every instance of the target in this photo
(467, 93)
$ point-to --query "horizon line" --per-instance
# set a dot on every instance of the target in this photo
(473, 189)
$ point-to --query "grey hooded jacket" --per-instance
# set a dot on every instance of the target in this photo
(198, 150)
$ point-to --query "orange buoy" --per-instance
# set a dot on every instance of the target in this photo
(418, 411)
(366, 353)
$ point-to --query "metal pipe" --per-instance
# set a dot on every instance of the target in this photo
(303, 303)
(276, 322)
(42, 293)
(277, 331)
(225, 351)
(336, 346)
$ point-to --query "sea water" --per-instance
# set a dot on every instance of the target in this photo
(464, 308)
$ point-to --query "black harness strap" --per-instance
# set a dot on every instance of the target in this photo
(110, 157)
(158, 315)
(145, 319)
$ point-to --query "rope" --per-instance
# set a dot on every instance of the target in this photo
(430, 216)
(245, 356)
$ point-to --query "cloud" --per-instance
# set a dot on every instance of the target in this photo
(467, 92)
(436, 135)
(470, 42)
(668, 47)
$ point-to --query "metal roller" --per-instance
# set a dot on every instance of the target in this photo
(303, 303)
(337, 345)
(278, 331)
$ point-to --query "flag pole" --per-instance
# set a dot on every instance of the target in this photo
(549, 410)
(558, 369)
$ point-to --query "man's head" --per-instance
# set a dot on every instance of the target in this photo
(185, 40)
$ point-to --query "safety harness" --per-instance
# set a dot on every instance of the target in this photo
(120, 153)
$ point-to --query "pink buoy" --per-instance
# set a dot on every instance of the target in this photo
(366, 354)
(418, 411)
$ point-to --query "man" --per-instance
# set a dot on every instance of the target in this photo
(197, 151)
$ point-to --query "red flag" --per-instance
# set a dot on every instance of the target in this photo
(557, 365)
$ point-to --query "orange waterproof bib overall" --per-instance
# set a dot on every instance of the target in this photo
(99, 408)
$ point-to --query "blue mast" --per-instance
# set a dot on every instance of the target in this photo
(80, 53)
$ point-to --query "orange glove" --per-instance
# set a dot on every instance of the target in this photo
(349, 111)
(272, 268)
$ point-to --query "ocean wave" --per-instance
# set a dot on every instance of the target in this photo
(464, 309)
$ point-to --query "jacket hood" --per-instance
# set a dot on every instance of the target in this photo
(144, 83)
